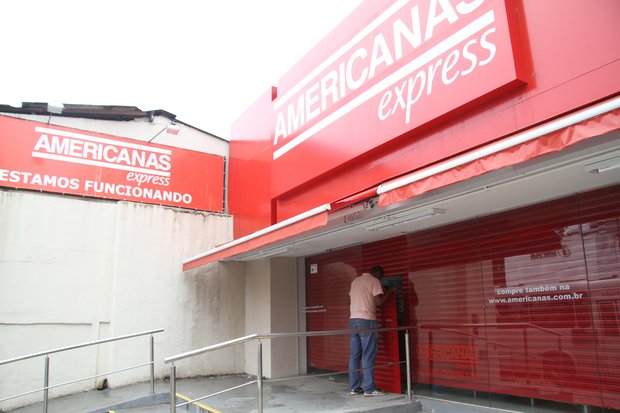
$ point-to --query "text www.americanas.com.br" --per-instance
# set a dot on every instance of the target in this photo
(536, 298)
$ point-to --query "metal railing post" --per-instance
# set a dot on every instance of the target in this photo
(259, 376)
(407, 359)
(152, 364)
(173, 389)
(46, 382)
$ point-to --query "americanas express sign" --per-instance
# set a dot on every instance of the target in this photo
(411, 62)
(57, 159)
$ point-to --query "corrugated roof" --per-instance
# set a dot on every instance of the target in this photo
(106, 112)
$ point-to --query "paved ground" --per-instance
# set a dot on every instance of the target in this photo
(306, 395)
(315, 394)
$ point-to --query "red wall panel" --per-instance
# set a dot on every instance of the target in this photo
(559, 80)
(249, 169)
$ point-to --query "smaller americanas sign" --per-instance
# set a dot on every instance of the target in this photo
(57, 159)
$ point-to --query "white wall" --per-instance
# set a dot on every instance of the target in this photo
(74, 270)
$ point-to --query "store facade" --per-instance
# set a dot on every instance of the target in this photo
(472, 149)
(521, 303)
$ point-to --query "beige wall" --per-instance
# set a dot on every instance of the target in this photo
(271, 307)
(257, 313)
(74, 270)
(284, 310)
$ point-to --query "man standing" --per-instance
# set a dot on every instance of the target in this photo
(366, 295)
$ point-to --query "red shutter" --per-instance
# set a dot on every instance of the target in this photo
(327, 306)
(525, 302)
(507, 301)
(391, 255)
(600, 231)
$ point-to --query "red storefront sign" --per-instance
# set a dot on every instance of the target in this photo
(57, 159)
(410, 65)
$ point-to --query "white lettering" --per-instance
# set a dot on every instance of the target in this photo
(84, 149)
(329, 88)
(312, 98)
(106, 188)
(471, 57)
(400, 96)
(421, 76)
(487, 46)
(280, 128)
(141, 178)
(434, 18)
(296, 119)
(413, 35)
(380, 55)
(407, 93)
(350, 68)
(451, 61)
(466, 8)
(353, 84)
(383, 103)
(431, 76)
(41, 180)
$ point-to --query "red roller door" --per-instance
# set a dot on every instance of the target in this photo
(525, 302)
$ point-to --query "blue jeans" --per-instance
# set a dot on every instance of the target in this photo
(363, 348)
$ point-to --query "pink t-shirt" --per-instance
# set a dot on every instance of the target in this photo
(363, 291)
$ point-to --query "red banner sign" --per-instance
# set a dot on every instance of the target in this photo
(57, 159)
(412, 62)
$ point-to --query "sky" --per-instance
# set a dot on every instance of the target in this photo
(205, 61)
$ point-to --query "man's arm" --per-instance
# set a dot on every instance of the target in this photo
(382, 298)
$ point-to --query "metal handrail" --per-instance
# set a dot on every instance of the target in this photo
(473, 325)
(46, 374)
(269, 336)
(259, 375)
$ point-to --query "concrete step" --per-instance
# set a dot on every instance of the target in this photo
(398, 406)
(389, 407)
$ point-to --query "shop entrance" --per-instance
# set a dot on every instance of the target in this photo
(520, 305)
(328, 279)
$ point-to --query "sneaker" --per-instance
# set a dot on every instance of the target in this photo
(355, 392)
(375, 392)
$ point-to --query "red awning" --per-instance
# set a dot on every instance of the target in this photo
(548, 138)
(286, 229)
(353, 199)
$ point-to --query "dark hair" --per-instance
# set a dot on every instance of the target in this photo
(377, 271)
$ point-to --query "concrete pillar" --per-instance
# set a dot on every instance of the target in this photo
(271, 307)
(284, 309)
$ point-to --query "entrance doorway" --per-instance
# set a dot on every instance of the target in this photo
(328, 279)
